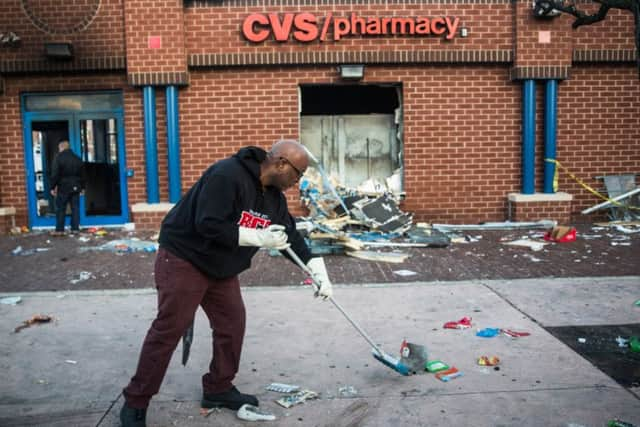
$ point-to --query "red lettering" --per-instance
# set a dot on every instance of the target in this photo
(438, 26)
(249, 220)
(250, 23)
(245, 219)
(341, 27)
(281, 30)
(306, 24)
(261, 223)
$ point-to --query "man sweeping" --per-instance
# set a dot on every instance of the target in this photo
(206, 240)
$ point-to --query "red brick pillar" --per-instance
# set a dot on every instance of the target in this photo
(543, 51)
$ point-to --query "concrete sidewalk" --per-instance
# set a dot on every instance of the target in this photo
(293, 338)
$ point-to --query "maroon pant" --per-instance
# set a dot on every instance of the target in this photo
(181, 288)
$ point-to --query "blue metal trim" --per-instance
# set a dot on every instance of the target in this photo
(173, 143)
(150, 143)
(550, 127)
(528, 136)
(122, 175)
(72, 118)
(34, 220)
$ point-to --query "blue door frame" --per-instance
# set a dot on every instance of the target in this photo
(73, 119)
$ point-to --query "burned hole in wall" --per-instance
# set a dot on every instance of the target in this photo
(354, 130)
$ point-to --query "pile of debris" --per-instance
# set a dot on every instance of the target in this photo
(348, 220)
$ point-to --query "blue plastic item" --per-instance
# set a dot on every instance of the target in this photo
(488, 332)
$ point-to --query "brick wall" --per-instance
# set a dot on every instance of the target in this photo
(598, 128)
(558, 211)
(155, 41)
(12, 169)
(94, 31)
(148, 221)
(462, 112)
(217, 29)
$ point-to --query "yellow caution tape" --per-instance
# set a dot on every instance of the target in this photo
(582, 183)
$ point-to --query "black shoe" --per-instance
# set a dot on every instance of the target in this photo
(132, 417)
(231, 399)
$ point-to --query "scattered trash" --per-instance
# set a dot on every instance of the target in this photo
(394, 257)
(413, 356)
(488, 361)
(125, 246)
(463, 323)
(347, 391)
(71, 362)
(634, 344)
(449, 374)
(582, 340)
(618, 423)
(620, 243)
(253, 413)
(531, 244)
(637, 303)
(38, 318)
(507, 225)
(10, 300)
(82, 276)
(531, 258)
(297, 398)
(205, 412)
(283, 388)
(622, 342)
(405, 273)
(97, 231)
(436, 366)
(626, 230)
(561, 234)
(19, 230)
(27, 252)
(514, 334)
(488, 332)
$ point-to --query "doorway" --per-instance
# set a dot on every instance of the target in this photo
(354, 130)
(93, 125)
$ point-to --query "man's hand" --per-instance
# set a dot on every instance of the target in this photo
(273, 237)
(319, 270)
(53, 192)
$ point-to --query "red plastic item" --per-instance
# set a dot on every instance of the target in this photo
(570, 236)
(514, 334)
(463, 323)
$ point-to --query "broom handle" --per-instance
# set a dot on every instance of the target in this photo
(335, 303)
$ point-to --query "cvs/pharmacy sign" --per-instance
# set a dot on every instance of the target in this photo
(307, 27)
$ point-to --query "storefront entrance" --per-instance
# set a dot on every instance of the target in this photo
(93, 124)
(355, 131)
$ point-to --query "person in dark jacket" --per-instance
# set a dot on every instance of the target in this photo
(209, 237)
(67, 182)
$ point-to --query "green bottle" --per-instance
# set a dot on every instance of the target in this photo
(618, 423)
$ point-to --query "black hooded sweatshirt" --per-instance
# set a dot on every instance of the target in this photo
(202, 227)
(67, 173)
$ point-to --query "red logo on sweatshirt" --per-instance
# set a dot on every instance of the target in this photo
(253, 220)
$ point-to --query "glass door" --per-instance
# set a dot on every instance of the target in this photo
(44, 132)
(96, 137)
(101, 148)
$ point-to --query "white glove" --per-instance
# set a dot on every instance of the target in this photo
(272, 237)
(319, 271)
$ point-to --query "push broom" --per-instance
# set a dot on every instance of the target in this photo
(378, 354)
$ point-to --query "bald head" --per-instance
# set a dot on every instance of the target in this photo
(291, 150)
(286, 162)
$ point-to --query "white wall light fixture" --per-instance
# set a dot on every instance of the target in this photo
(351, 71)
